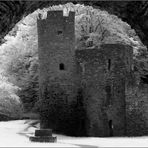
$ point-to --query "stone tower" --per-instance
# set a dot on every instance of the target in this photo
(56, 40)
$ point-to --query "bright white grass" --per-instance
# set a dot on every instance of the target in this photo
(12, 134)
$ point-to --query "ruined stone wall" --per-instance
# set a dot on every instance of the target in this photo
(100, 74)
(56, 41)
(92, 63)
(120, 66)
(137, 110)
(103, 77)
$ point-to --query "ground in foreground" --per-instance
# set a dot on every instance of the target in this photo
(16, 134)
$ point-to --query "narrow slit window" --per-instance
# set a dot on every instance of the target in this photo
(62, 66)
(109, 64)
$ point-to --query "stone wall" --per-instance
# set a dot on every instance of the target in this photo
(56, 40)
(100, 74)
(103, 79)
(56, 50)
(121, 63)
(92, 65)
(137, 110)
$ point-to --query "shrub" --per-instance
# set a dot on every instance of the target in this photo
(10, 104)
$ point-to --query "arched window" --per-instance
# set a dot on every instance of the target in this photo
(61, 66)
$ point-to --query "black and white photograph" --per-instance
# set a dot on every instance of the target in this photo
(73, 73)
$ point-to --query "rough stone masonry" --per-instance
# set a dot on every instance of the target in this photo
(100, 74)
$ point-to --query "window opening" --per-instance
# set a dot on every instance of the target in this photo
(109, 64)
(59, 32)
(62, 66)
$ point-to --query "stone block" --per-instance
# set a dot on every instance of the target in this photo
(43, 135)
(43, 139)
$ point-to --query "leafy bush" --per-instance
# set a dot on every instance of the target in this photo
(10, 104)
(29, 92)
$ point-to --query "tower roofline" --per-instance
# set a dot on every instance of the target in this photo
(56, 13)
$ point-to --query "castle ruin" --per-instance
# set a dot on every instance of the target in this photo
(98, 74)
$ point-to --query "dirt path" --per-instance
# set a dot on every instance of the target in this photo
(16, 134)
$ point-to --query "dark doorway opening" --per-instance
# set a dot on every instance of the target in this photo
(110, 123)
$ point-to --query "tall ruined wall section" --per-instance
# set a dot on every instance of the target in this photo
(92, 73)
(119, 65)
(103, 77)
(57, 74)
(80, 89)
(56, 48)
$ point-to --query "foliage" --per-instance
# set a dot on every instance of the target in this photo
(10, 104)
(96, 26)
(20, 62)
(29, 91)
(141, 64)
(19, 55)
